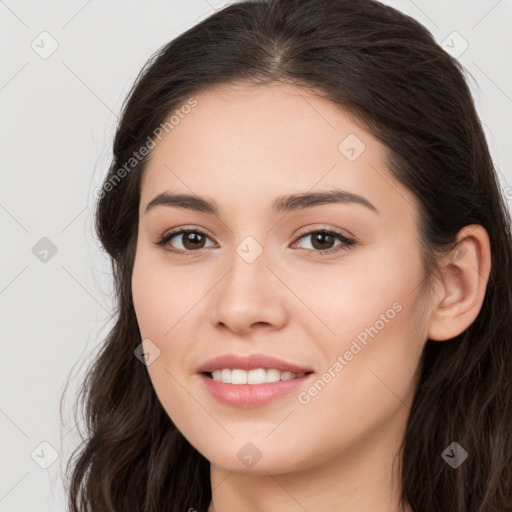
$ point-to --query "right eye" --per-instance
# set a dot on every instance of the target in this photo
(192, 240)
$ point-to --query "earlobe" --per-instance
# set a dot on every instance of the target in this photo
(461, 292)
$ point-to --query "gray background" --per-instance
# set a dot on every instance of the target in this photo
(58, 115)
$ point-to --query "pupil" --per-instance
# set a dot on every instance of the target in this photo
(192, 238)
(321, 237)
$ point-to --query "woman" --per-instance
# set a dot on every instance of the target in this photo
(312, 263)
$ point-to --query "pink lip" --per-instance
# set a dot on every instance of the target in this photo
(250, 362)
(251, 395)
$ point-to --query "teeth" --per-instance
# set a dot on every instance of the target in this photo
(257, 376)
(238, 377)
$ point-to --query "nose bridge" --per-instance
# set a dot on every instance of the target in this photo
(248, 266)
(249, 250)
(247, 294)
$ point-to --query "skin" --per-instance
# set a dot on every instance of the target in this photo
(242, 147)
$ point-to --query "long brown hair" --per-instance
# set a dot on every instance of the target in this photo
(386, 69)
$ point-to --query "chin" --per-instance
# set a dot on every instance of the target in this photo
(254, 458)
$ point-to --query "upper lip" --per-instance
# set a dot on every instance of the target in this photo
(250, 362)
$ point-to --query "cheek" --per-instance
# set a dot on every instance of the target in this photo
(371, 385)
(354, 295)
(377, 328)
(160, 299)
(162, 294)
(146, 304)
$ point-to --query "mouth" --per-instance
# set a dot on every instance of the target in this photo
(257, 376)
(251, 380)
(247, 395)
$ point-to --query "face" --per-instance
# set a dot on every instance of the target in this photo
(331, 286)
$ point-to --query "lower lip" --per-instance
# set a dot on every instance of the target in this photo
(252, 395)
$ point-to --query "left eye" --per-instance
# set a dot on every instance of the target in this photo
(326, 237)
(193, 240)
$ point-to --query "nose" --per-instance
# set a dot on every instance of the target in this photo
(250, 296)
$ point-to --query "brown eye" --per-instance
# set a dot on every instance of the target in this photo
(191, 240)
(322, 241)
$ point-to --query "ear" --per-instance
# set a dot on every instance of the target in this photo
(460, 295)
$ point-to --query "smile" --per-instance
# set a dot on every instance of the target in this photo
(257, 376)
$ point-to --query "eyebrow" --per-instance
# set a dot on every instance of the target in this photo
(282, 204)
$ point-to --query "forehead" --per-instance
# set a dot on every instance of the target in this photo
(250, 143)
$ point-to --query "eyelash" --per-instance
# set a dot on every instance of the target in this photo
(346, 243)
